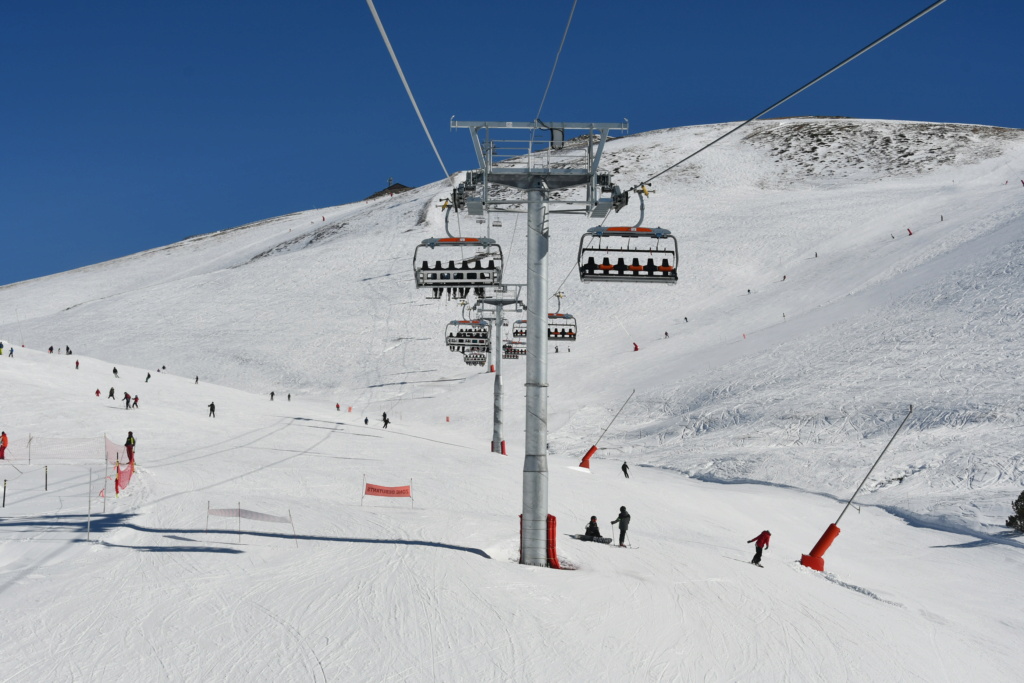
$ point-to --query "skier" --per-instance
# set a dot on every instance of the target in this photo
(76, 365)
(127, 400)
(271, 395)
(337, 406)
(213, 409)
(135, 402)
(147, 375)
(909, 232)
(51, 349)
(636, 347)
(98, 393)
(366, 421)
(783, 278)
(384, 417)
(197, 379)
(666, 335)
(10, 354)
(625, 470)
(68, 350)
(592, 530)
(115, 372)
(623, 521)
(289, 397)
(3, 444)
(129, 448)
(760, 543)
(111, 394)
(386, 422)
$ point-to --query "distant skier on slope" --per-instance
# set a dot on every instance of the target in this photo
(213, 409)
(625, 470)
(3, 445)
(111, 394)
(623, 521)
(115, 372)
(760, 543)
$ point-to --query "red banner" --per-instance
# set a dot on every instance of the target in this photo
(389, 491)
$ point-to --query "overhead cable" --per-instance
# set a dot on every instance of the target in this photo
(793, 94)
(557, 55)
(408, 90)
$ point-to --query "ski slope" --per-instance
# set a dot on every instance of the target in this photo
(743, 420)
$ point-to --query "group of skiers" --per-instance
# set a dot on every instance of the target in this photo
(760, 541)
(66, 352)
(622, 520)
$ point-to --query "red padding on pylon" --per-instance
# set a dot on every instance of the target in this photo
(586, 458)
(520, 539)
(552, 535)
(825, 541)
(503, 447)
(815, 563)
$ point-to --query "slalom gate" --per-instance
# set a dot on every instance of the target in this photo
(241, 513)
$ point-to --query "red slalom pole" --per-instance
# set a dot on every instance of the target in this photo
(593, 449)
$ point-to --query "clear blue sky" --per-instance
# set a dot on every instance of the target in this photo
(131, 125)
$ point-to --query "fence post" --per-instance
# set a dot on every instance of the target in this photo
(46, 477)
(88, 522)
(5, 494)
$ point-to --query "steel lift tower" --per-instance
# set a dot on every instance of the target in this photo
(501, 298)
(535, 157)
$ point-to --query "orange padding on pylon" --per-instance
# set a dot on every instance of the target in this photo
(825, 541)
(586, 458)
(815, 563)
(552, 535)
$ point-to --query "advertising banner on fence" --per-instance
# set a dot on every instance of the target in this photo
(388, 491)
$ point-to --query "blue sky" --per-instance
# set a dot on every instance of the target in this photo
(128, 125)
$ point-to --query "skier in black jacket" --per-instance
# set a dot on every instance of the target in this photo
(623, 521)
(592, 530)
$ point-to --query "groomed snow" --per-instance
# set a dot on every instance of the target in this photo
(743, 420)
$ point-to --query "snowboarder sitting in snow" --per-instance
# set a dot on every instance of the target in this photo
(592, 530)
(623, 521)
(760, 543)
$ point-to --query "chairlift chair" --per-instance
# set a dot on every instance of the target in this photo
(475, 358)
(513, 350)
(631, 254)
(477, 264)
(519, 330)
(561, 327)
(465, 335)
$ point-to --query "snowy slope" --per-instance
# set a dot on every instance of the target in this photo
(320, 304)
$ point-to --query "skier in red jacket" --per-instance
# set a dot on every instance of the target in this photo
(760, 542)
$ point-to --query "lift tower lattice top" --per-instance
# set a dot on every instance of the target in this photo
(510, 154)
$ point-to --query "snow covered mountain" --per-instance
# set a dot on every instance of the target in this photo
(832, 273)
